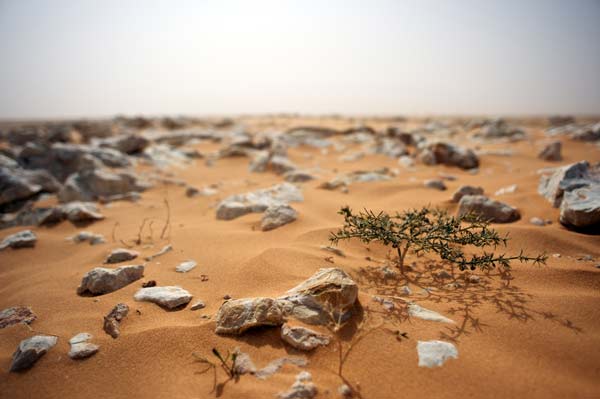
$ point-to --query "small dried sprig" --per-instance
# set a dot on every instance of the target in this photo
(230, 369)
(430, 230)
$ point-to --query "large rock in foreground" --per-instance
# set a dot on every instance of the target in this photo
(580, 207)
(30, 350)
(238, 315)
(488, 209)
(435, 353)
(102, 280)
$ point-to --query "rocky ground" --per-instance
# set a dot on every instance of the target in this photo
(130, 248)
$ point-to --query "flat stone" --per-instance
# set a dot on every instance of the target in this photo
(80, 348)
(121, 255)
(169, 297)
(303, 388)
(77, 212)
(102, 280)
(298, 176)
(112, 321)
(435, 353)
(30, 350)
(92, 238)
(580, 207)
(436, 184)
(198, 305)
(164, 250)
(488, 209)
(419, 312)
(466, 190)
(276, 216)
(237, 315)
(303, 338)
(186, 266)
(16, 315)
(22, 239)
(537, 221)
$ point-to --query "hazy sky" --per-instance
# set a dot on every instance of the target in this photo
(66, 58)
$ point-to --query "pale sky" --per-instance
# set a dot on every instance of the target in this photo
(80, 58)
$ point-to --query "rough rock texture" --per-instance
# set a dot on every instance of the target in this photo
(22, 239)
(78, 212)
(303, 338)
(276, 216)
(112, 321)
(30, 350)
(186, 266)
(258, 201)
(303, 388)
(100, 184)
(580, 207)
(466, 190)
(121, 255)
(125, 143)
(566, 178)
(448, 154)
(359, 176)
(238, 315)
(298, 176)
(552, 152)
(101, 280)
(169, 297)
(19, 184)
(488, 209)
(15, 315)
(88, 236)
(435, 353)
(80, 348)
(327, 291)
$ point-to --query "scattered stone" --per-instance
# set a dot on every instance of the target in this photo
(311, 301)
(466, 190)
(556, 181)
(488, 209)
(150, 283)
(417, 311)
(88, 236)
(435, 353)
(352, 157)
(448, 154)
(345, 391)
(436, 184)
(30, 350)
(22, 239)
(580, 207)
(303, 338)
(186, 266)
(303, 388)
(81, 212)
(15, 315)
(406, 161)
(169, 297)
(226, 297)
(537, 221)
(552, 152)
(163, 251)
(474, 279)
(275, 365)
(236, 316)
(342, 181)
(191, 192)
(121, 255)
(258, 201)
(506, 190)
(100, 184)
(277, 216)
(80, 348)
(386, 303)
(198, 305)
(333, 250)
(443, 274)
(102, 280)
(125, 143)
(298, 176)
(112, 321)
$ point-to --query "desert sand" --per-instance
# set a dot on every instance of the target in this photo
(537, 337)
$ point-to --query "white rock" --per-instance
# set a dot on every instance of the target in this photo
(186, 266)
(80, 348)
(506, 190)
(303, 388)
(303, 338)
(169, 297)
(435, 353)
(277, 216)
(417, 311)
(22, 239)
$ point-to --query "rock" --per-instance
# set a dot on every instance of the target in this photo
(186, 266)
(552, 152)
(276, 365)
(149, 283)
(499, 129)
(436, 184)
(260, 161)
(537, 221)
(88, 236)
(169, 297)
(258, 201)
(360, 176)
(16, 315)
(164, 250)
(198, 305)
(506, 190)
(303, 388)
(191, 192)
(588, 133)
(345, 391)
(79, 212)
(30, 350)
(80, 348)
(238, 315)
(327, 291)
(488, 209)
(125, 143)
(580, 208)
(121, 255)
(298, 176)
(101, 280)
(22, 239)
(14, 186)
(100, 184)
(281, 164)
(553, 185)
(406, 161)
(112, 321)
(390, 147)
(303, 338)
(419, 312)
(435, 353)
(277, 216)
(443, 275)
(466, 190)
(448, 154)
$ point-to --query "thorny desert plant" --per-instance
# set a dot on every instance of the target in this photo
(431, 230)
(227, 363)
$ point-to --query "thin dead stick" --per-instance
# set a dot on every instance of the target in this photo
(168, 222)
